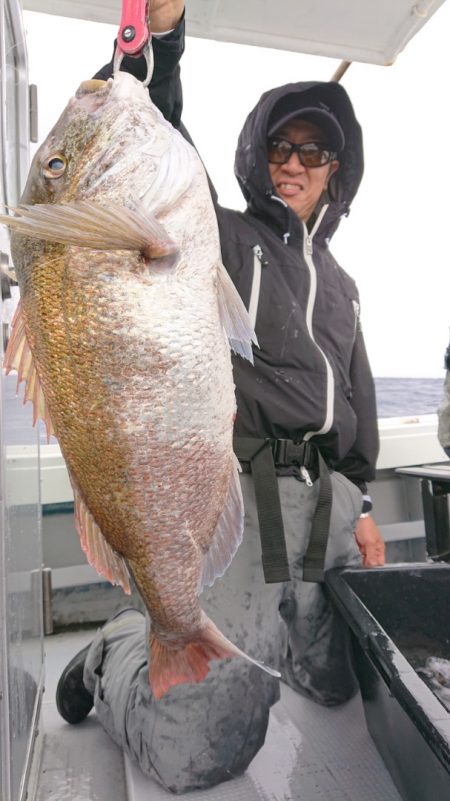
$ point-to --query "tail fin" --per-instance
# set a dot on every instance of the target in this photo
(171, 666)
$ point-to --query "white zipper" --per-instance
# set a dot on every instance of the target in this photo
(357, 310)
(256, 285)
(308, 253)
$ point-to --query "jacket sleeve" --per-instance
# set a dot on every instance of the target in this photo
(165, 86)
(360, 462)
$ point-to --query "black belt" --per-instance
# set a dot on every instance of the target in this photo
(260, 457)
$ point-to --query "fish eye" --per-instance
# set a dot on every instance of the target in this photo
(55, 166)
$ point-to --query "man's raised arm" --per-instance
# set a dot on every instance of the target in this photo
(165, 14)
(165, 87)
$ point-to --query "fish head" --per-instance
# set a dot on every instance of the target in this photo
(111, 149)
(93, 151)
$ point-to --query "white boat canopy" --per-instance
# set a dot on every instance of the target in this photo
(373, 31)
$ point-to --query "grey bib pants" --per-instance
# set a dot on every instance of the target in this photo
(201, 734)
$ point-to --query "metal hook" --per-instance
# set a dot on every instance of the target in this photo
(147, 52)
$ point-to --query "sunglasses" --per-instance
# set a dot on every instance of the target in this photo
(311, 154)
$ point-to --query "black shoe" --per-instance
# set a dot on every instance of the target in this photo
(73, 701)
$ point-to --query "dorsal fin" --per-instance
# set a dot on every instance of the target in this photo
(18, 356)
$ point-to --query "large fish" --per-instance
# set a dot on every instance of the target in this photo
(122, 338)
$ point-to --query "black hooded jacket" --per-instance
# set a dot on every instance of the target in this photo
(311, 377)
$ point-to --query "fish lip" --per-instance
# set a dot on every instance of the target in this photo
(91, 87)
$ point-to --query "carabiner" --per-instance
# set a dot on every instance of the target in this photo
(134, 37)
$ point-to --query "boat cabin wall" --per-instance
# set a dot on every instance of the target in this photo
(21, 630)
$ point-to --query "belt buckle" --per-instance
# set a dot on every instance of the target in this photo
(279, 447)
(285, 452)
(296, 453)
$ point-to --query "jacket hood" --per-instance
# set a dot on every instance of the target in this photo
(251, 165)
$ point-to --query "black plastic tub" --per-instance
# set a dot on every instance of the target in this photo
(400, 615)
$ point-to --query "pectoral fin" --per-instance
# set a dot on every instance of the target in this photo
(90, 225)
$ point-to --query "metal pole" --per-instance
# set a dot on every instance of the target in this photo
(341, 70)
(47, 600)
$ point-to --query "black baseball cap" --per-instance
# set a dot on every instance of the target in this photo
(318, 113)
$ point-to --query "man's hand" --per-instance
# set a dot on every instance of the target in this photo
(165, 14)
(370, 542)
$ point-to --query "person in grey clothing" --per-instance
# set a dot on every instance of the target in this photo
(306, 416)
(444, 409)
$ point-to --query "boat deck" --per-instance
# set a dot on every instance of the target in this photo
(311, 753)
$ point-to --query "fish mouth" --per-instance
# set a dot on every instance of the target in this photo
(90, 87)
